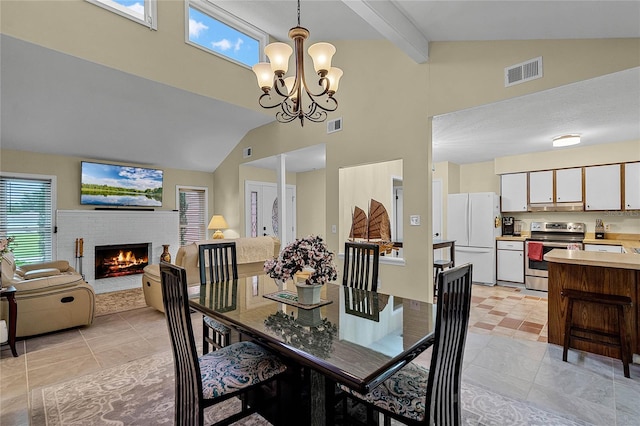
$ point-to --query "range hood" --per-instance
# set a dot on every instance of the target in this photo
(556, 207)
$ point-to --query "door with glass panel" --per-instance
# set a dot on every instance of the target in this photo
(261, 210)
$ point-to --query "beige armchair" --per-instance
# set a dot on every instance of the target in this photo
(51, 296)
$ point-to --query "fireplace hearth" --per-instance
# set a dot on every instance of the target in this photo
(121, 259)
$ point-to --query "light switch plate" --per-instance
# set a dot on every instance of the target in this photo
(414, 219)
(333, 229)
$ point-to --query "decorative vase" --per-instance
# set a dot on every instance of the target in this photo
(165, 256)
(308, 294)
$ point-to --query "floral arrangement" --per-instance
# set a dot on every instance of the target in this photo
(310, 252)
(4, 246)
(316, 340)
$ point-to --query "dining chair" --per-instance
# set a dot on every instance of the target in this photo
(201, 382)
(361, 265)
(416, 395)
(218, 263)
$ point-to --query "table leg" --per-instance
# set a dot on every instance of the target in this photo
(13, 316)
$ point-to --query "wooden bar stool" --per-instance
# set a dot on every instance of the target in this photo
(439, 266)
(617, 340)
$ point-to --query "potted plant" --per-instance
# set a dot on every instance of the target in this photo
(309, 256)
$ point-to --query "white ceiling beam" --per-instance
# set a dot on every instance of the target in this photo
(385, 17)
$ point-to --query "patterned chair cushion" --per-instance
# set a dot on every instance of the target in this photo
(237, 367)
(403, 393)
(217, 326)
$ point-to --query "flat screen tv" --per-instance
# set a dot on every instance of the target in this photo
(115, 186)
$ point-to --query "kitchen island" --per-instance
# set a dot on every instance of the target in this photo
(608, 273)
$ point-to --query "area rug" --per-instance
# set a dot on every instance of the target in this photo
(141, 392)
(119, 301)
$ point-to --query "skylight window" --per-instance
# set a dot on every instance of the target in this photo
(218, 32)
(141, 11)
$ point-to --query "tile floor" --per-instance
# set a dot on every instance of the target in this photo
(506, 352)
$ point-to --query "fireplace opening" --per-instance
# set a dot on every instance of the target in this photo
(121, 259)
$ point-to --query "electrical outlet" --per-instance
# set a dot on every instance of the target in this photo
(607, 227)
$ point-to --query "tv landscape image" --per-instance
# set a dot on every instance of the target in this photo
(113, 185)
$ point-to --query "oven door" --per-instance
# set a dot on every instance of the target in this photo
(539, 268)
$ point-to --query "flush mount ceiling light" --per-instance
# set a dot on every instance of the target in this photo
(566, 140)
(294, 91)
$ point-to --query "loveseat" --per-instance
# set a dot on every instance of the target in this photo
(50, 296)
(251, 255)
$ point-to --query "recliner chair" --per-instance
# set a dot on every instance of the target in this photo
(51, 296)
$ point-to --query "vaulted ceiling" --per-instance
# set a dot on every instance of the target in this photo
(55, 103)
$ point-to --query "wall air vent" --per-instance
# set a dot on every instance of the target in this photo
(246, 152)
(525, 71)
(334, 125)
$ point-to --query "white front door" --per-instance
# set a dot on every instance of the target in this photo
(261, 215)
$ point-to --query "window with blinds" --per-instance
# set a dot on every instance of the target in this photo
(26, 213)
(193, 214)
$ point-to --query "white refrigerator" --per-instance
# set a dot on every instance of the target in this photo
(473, 222)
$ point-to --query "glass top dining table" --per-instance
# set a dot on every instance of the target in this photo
(357, 338)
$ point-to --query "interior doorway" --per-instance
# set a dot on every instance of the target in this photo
(262, 212)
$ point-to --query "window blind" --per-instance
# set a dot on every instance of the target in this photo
(26, 213)
(193, 220)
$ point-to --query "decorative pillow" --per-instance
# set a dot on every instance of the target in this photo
(39, 273)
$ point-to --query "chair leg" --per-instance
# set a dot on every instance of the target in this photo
(567, 329)
(624, 354)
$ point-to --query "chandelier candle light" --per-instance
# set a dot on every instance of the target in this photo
(294, 90)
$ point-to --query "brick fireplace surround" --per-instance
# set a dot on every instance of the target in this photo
(107, 227)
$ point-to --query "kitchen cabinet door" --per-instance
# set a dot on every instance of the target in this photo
(602, 187)
(511, 266)
(569, 185)
(632, 186)
(514, 192)
(541, 187)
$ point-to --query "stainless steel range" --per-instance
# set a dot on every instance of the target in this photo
(551, 235)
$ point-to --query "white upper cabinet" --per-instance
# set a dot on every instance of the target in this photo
(541, 187)
(632, 186)
(514, 192)
(569, 185)
(602, 187)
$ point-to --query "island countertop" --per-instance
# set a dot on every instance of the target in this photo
(594, 258)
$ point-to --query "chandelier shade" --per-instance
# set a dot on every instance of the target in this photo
(292, 94)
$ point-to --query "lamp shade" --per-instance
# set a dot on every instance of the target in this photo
(218, 222)
(264, 74)
(334, 79)
(566, 140)
(278, 54)
(321, 53)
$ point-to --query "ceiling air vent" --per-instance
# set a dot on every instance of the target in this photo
(334, 125)
(519, 73)
(246, 152)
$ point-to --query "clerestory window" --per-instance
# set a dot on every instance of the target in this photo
(210, 28)
(141, 11)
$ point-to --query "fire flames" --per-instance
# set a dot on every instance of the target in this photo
(124, 263)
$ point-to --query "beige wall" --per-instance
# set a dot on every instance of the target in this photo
(310, 204)
(570, 157)
(67, 171)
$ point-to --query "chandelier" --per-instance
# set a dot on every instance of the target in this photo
(293, 92)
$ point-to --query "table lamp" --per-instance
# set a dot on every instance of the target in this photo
(217, 222)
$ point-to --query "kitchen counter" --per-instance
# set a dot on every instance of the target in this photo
(606, 273)
(512, 238)
(594, 258)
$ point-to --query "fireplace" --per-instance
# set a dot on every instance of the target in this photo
(121, 259)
